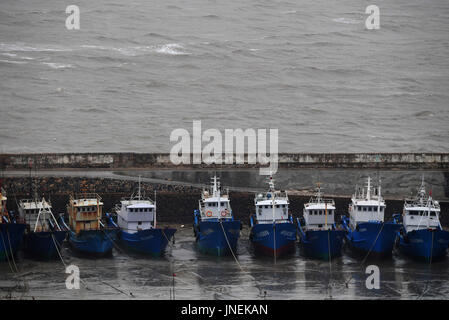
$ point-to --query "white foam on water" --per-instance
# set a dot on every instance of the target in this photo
(346, 21)
(172, 49)
(8, 47)
(13, 62)
(55, 65)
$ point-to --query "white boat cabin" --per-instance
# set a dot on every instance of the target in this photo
(319, 213)
(37, 214)
(367, 206)
(213, 204)
(136, 214)
(272, 206)
(422, 212)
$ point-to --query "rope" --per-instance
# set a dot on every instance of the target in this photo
(229, 245)
(10, 249)
(6, 252)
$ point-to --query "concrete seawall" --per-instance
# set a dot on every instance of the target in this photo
(162, 161)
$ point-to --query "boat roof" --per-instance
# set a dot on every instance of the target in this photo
(217, 199)
(376, 203)
(86, 202)
(140, 205)
(318, 206)
(32, 204)
(270, 202)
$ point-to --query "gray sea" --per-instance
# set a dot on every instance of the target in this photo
(138, 69)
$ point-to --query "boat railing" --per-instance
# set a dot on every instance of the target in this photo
(85, 196)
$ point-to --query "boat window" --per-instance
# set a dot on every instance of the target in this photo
(266, 207)
(364, 208)
(277, 206)
(432, 213)
(370, 209)
(283, 206)
(139, 223)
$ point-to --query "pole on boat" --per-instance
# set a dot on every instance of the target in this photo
(155, 206)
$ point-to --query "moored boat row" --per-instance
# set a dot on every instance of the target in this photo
(273, 230)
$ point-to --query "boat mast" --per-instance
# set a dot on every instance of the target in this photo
(138, 194)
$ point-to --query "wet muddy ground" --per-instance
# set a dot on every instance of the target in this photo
(124, 275)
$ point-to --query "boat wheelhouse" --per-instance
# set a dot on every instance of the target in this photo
(422, 236)
(36, 213)
(214, 205)
(44, 235)
(215, 229)
(422, 212)
(272, 230)
(319, 235)
(367, 232)
(319, 213)
(367, 206)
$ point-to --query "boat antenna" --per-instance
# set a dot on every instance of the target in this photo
(139, 188)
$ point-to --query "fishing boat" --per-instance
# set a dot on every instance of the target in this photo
(136, 218)
(367, 232)
(11, 230)
(44, 235)
(273, 232)
(421, 236)
(87, 232)
(215, 229)
(319, 235)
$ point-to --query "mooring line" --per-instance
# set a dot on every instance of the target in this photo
(6, 252)
(230, 248)
(10, 249)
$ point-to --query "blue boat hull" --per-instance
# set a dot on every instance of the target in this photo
(273, 240)
(95, 242)
(150, 241)
(212, 240)
(426, 245)
(377, 238)
(41, 244)
(11, 235)
(322, 244)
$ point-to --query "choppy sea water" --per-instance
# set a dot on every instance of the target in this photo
(129, 276)
(136, 70)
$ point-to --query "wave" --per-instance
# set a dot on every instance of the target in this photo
(171, 49)
(347, 21)
(56, 65)
(12, 61)
(14, 47)
(424, 114)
